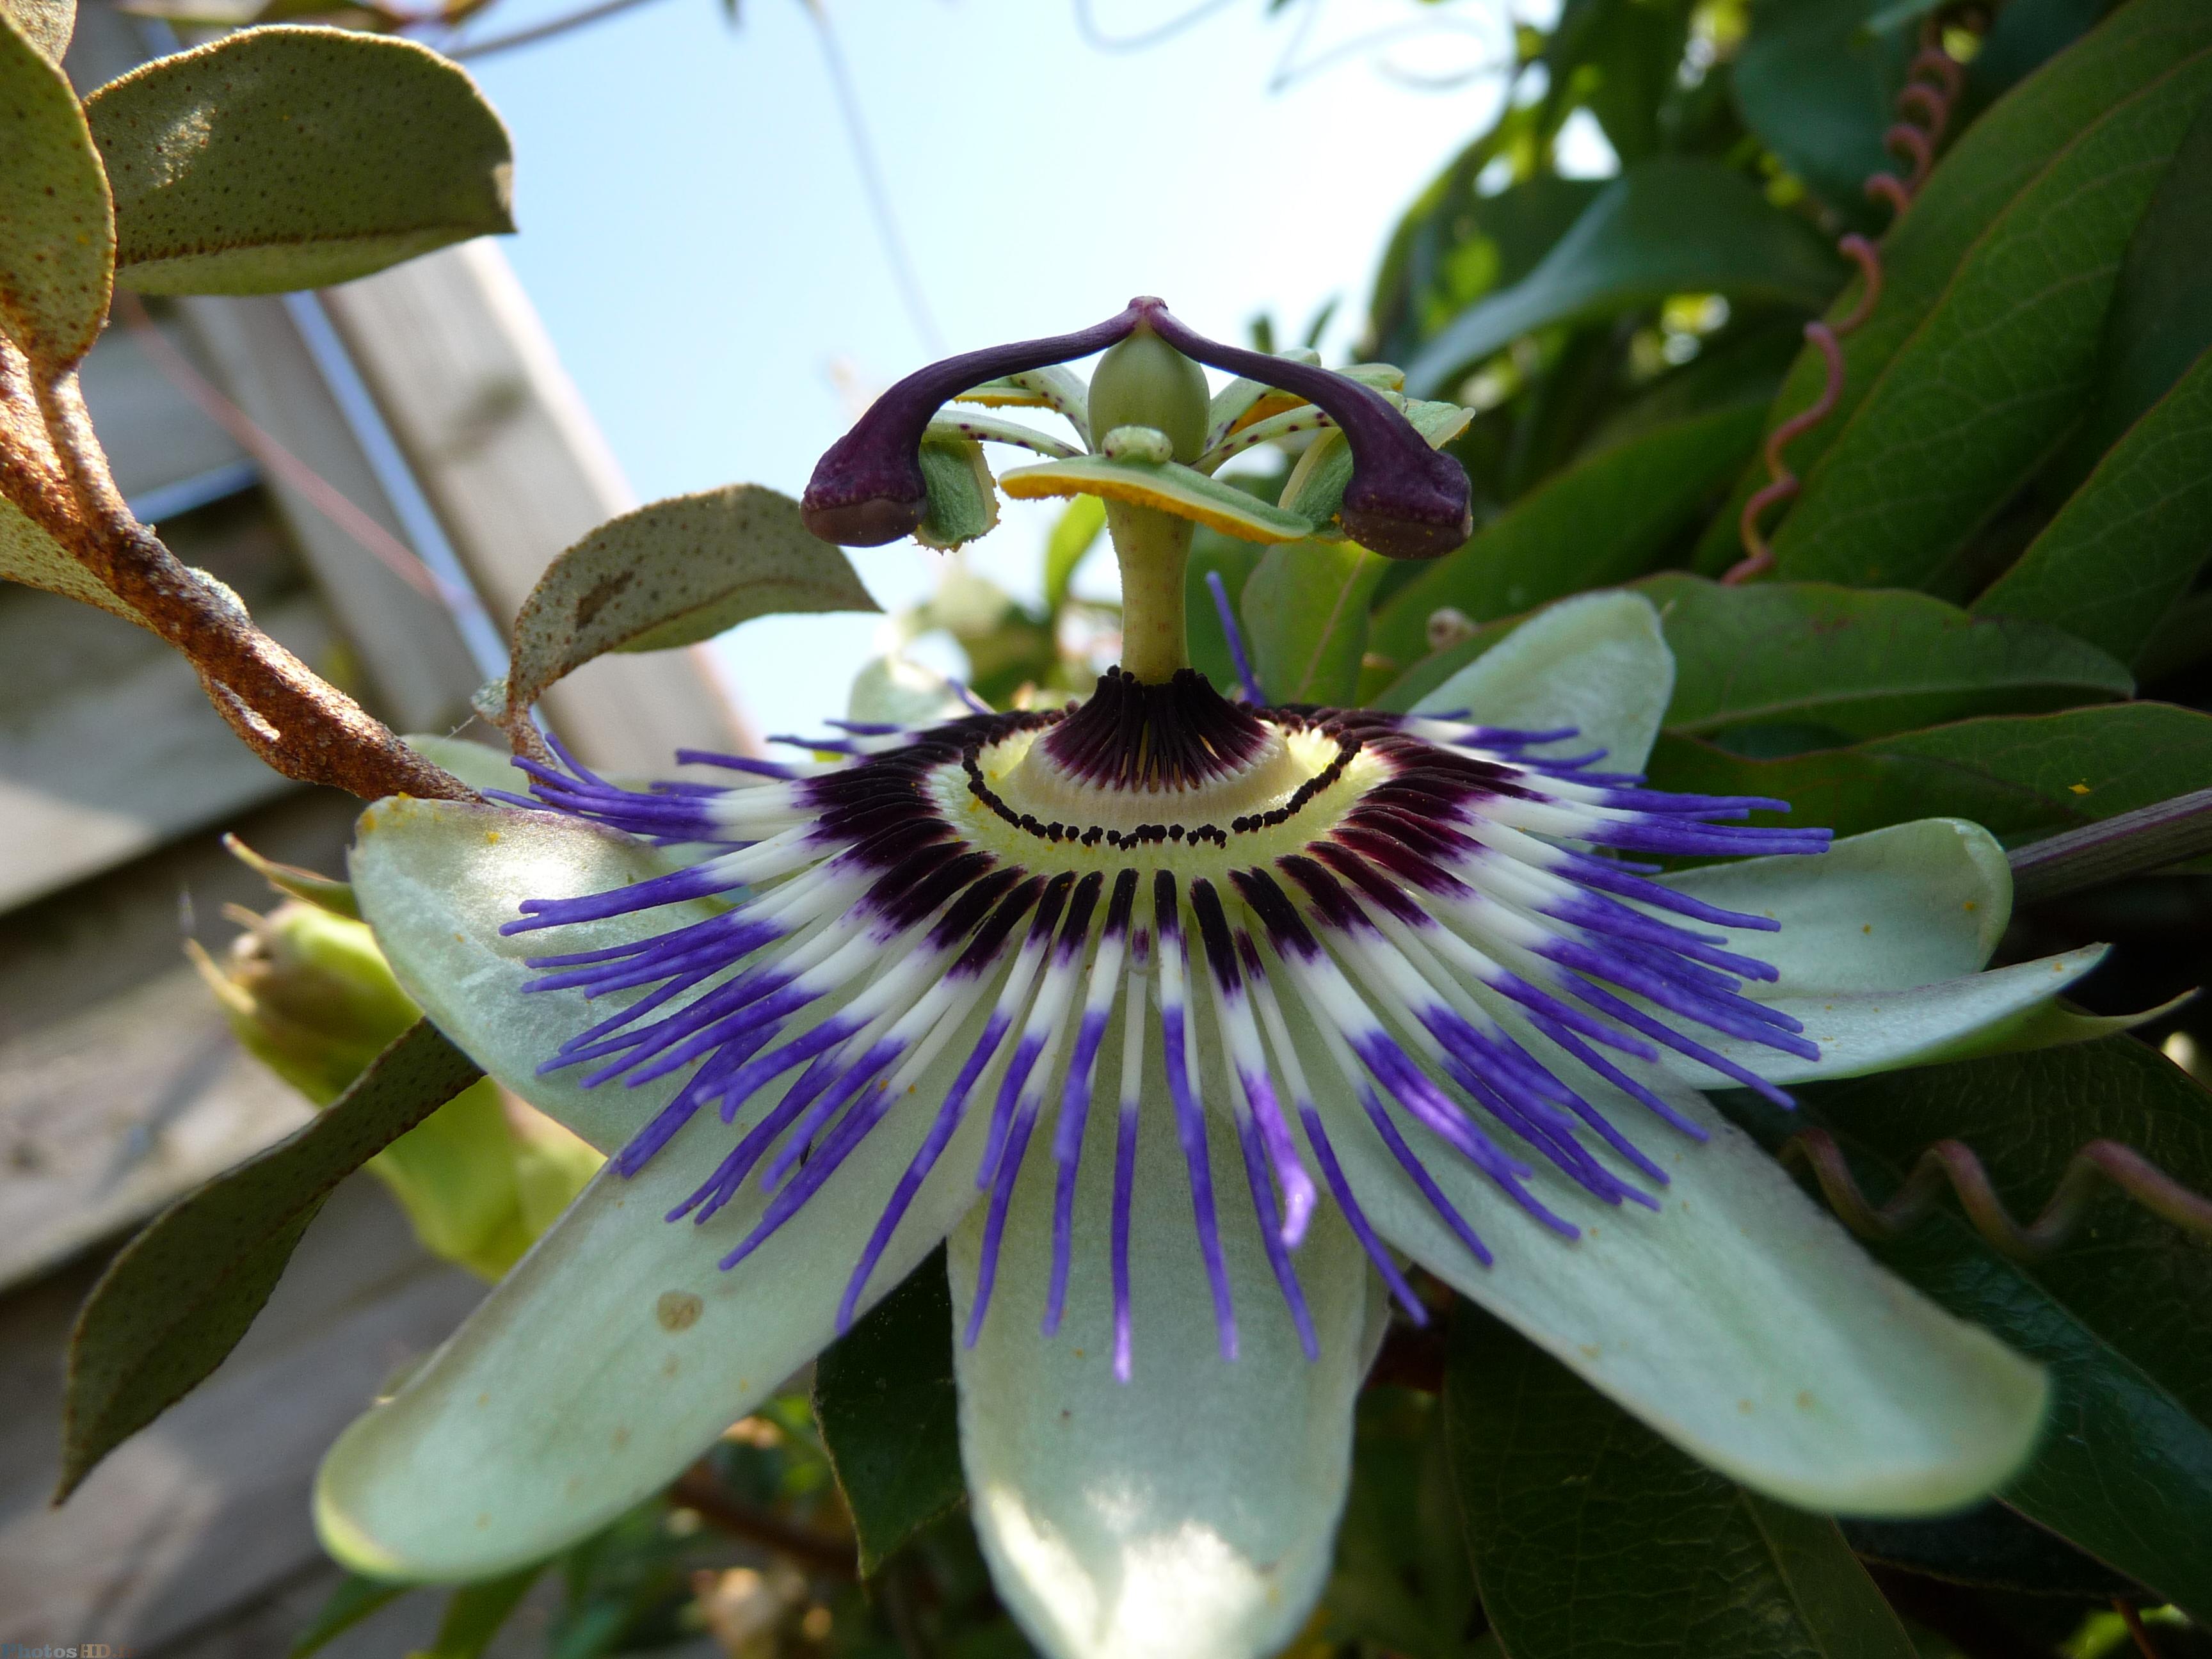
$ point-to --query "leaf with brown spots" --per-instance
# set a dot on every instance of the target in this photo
(57, 228)
(672, 573)
(286, 158)
(178, 1298)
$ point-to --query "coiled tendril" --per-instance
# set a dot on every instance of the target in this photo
(1932, 84)
(1954, 1161)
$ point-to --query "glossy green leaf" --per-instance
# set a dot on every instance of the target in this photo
(1304, 610)
(352, 1600)
(1990, 164)
(1816, 84)
(885, 1401)
(1592, 1538)
(1168, 486)
(1673, 225)
(2119, 1314)
(1456, 245)
(180, 1296)
(2160, 321)
(57, 226)
(47, 24)
(963, 504)
(2022, 776)
(1603, 520)
(285, 157)
(1849, 663)
(29, 555)
(2129, 543)
(1074, 535)
(1991, 1548)
(1998, 371)
(674, 573)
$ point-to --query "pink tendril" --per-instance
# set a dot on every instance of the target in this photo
(1953, 1163)
(1913, 141)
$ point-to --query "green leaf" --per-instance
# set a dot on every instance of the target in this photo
(180, 1296)
(1604, 519)
(2119, 1314)
(1672, 225)
(674, 573)
(354, 1599)
(29, 555)
(2021, 776)
(1461, 245)
(1816, 84)
(1988, 386)
(474, 1614)
(1304, 610)
(1991, 1548)
(884, 1398)
(57, 225)
(1074, 535)
(1592, 1537)
(1993, 161)
(1858, 664)
(2160, 321)
(285, 157)
(2129, 541)
(47, 24)
(1168, 486)
(962, 504)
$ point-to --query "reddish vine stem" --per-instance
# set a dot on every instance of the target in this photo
(1932, 84)
(1954, 1161)
(53, 470)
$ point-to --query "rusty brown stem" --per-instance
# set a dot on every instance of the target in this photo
(54, 471)
(1953, 1161)
(698, 1489)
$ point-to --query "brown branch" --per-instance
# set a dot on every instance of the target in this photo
(52, 469)
(1954, 1161)
(698, 1489)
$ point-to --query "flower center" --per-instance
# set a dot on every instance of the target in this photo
(1161, 766)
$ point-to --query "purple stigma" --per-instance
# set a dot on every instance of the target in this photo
(867, 488)
(1405, 501)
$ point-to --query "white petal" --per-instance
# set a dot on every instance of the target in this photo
(1739, 1320)
(616, 1351)
(1597, 662)
(1861, 1031)
(1190, 1512)
(1909, 905)
(438, 880)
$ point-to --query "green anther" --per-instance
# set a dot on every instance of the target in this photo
(1145, 382)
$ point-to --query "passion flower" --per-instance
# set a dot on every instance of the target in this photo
(1187, 1022)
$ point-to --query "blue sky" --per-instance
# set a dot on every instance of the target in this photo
(695, 231)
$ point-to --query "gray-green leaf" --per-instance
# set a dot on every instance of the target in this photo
(672, 573)
(285, 158)
(47, 24)
(57, 226)
(180, 1296)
